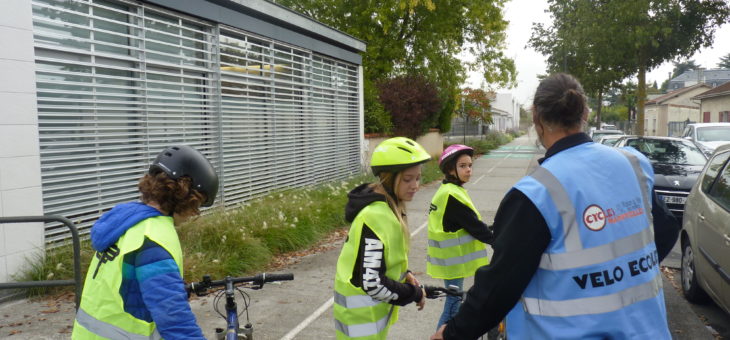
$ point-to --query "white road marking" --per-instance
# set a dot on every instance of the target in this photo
(490, 170)
(325, 306)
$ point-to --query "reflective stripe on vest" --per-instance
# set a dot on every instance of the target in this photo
(355, 301)
(108, 330)
(452, 242)
(457, 260)
(564, 205)
(594, 305)
(363, 329)
(598, 254)
(636, 165)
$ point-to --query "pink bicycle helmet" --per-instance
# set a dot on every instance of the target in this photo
(453, 152)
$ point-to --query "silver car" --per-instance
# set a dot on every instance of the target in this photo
(705, 237)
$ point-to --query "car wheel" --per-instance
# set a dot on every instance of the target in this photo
(690, 285)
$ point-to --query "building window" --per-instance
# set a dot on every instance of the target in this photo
(724, 116)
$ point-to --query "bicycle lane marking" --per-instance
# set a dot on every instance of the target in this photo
(325, 306)
(490, 170)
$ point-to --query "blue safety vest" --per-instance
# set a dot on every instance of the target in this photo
(599, 277)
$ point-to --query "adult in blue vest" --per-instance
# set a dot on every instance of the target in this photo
(577, 242)
(134, 288)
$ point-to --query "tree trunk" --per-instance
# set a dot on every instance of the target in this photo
(598, 111)
(640, 99)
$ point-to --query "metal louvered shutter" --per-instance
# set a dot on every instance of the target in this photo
(116, 82)
(119, 80)
(290, 117)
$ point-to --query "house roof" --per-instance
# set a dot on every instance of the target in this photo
(707, 75)
(722, 90)
(675, 94)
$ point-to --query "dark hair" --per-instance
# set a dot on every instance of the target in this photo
(173, 196)
(560, 100)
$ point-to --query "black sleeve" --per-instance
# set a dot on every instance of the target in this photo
(666, 227)
(521, 236)
(369, 273)
(458, 216)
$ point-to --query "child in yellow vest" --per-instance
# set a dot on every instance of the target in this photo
(456, 234)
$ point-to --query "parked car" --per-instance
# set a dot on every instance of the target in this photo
(677, 163)
(597, 134)
(707, 136)
(610, 140)
(705, 237)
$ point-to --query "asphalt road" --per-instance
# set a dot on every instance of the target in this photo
(302, 309)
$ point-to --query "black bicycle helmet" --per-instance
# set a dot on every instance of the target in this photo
(182, 160)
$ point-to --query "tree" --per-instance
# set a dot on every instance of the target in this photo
(631, 37)
(683, 66)
(562, 44)
(724, 62)
(413, 103)
(422, 37)
(477, 105)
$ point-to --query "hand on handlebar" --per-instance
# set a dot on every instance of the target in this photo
(410, 278)
(422, 303)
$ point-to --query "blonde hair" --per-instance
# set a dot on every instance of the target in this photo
(389, 180)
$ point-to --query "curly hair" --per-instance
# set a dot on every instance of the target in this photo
(173, 196)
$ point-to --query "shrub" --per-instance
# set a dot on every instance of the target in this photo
(413, 103)
(377, 120)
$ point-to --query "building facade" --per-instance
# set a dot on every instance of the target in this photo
(94, 89)
(715, 104)
(677, 106)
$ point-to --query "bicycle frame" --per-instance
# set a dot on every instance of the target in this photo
(233, 330)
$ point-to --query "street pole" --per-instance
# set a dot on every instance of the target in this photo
(463, 113)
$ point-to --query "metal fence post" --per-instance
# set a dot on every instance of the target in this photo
(76, 249)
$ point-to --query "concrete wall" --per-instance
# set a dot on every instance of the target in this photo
(433, 142)
(20, 178)
(715, 105)
(650, 115)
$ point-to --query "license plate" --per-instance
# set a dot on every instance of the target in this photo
(674, 199)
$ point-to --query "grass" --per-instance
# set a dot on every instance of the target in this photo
(236, 240)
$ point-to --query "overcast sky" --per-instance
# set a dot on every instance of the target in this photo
(522, 13)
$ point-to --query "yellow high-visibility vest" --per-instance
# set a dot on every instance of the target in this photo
(452, 255)
(357, 315)
(101, 314)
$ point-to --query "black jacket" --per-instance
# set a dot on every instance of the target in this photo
(521, 236)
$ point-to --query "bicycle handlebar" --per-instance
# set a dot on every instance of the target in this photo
(200, 288)
(433, 292)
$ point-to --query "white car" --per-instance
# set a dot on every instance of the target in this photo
(708, 136)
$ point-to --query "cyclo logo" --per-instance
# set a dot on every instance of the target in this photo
(594, 218)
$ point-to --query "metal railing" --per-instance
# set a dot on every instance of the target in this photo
(76, 249)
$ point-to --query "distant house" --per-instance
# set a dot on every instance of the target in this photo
(674, 107)
(505, 112)
(715, 104)
(713, 78)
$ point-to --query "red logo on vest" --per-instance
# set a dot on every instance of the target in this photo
(594, 218)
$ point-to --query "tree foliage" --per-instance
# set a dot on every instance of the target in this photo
(724, 62)
(627, 37)
(476, 105)
(413, 103)
(421, 37)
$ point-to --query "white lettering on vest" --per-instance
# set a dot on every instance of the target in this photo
(371, 276)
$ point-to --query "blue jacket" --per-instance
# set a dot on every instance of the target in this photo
(152, 288)
(599, 276)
